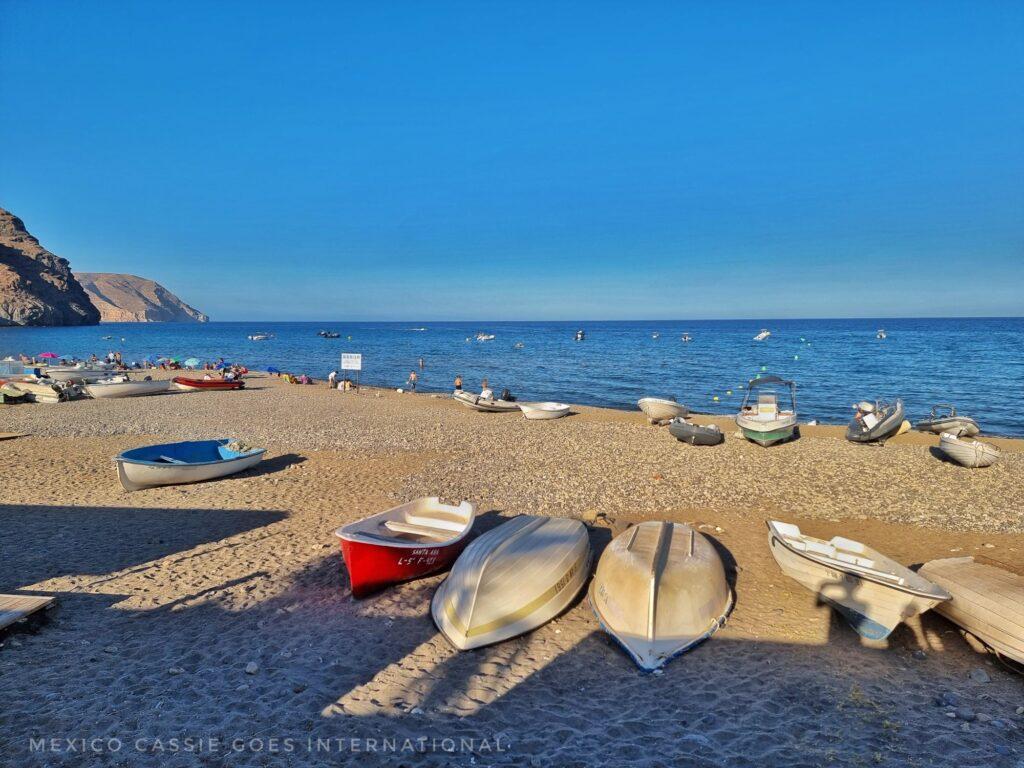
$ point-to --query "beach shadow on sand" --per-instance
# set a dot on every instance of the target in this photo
(273, 464)
(102, 540)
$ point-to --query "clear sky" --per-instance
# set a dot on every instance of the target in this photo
(526, 160)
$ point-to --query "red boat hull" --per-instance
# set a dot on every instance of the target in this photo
(371, 567)
(182, 381)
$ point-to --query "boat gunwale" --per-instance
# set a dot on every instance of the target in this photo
(380, 540)
(122, 459)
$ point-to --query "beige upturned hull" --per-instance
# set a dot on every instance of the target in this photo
(968, 453)
(660, 409)
(511, 580)
(987, 602)
(660, 589)
(871, 591)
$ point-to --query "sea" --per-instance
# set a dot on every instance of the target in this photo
(976, 364)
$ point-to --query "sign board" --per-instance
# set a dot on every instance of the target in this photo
(351, 361)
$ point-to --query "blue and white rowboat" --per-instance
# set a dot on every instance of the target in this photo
(179, 463)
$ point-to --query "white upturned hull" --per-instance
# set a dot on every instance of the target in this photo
(126, 389)
(659, 590)
(660, 409)
(542, 411)
(987, 602)
(873, 593)
(511, 580)
(968, 453)
(77, 374)
(135, 477)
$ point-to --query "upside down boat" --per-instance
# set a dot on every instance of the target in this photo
(512, 579)
(661, 408)
(191, 385)
(403, 543)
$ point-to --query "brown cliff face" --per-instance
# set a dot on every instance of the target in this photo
(36, 286)
(132, 299)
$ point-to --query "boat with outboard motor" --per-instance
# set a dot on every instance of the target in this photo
(764, 334)
(875, 421)
(761, 418)
(484, 404)
(944, 418)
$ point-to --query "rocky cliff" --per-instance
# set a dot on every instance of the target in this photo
(36, 286)
(132, 299)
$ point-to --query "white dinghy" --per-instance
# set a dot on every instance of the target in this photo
(126, 388)
(872, 592)
(541, 411)
(484, 404)
(968, 453)
(661, 409)
(179, 463)
(988, 602)
(511, 580)
(660, 589)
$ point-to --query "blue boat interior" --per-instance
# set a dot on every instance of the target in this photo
(192, 452)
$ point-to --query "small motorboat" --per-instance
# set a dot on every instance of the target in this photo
(944, 418)
(686, 338)
(125, 388)
(881, 334)
(512, 579)
(328, 334)
(412, 540)
(518, 345)
(485, 337)
(764, 334)
(987, 602)
(580, 335)
(260, 336)
(661, 409)
(875, 422)
(486, 405)
(541, 411)
(655, 335)
(871, 591)
(968, 453)
(186, 384)
(762, 420)
(181, 463)
(695, 434)
(659, 590)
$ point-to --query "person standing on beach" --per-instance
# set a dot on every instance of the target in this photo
(413, 378)
(332, 380)
(458, 382)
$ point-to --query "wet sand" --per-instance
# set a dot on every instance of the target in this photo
(166, 595)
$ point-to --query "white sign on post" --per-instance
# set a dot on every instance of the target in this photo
(351, 361)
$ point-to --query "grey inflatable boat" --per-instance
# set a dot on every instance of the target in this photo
(945, 419)
(875, 422)
(694, 434)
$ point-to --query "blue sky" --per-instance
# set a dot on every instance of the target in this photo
(526, 160)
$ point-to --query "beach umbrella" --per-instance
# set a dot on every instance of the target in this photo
(272, 369)
(49, 355)
(192, 362)
(220, 365)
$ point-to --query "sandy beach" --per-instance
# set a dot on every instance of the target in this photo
(211, 624)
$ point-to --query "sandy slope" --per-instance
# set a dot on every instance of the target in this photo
(166, 595)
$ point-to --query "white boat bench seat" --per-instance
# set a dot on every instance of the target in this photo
(418, 530)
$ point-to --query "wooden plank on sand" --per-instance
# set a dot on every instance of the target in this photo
(16, 607)
(11, 435)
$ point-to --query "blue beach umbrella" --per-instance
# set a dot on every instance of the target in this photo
(272, 369)
(192, 362)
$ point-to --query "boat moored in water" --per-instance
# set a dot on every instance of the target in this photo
(762, 335)
(409, 541)
(871, 591)
(181, 463)
(761, 418)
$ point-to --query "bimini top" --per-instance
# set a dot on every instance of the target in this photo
(763, 380)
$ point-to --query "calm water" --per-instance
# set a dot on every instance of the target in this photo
(977, 364)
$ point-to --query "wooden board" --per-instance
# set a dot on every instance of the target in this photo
(11, 435)
(16, 607)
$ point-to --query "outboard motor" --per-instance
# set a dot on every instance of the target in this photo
(507, 396)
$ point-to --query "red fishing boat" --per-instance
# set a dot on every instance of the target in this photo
(407, 542)
(189, 385)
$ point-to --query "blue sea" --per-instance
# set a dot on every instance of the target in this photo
(976, 364)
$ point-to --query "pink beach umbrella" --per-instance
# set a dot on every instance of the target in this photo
(49, 355)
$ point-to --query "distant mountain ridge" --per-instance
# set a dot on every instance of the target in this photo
(134, 299)
(36, 286)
